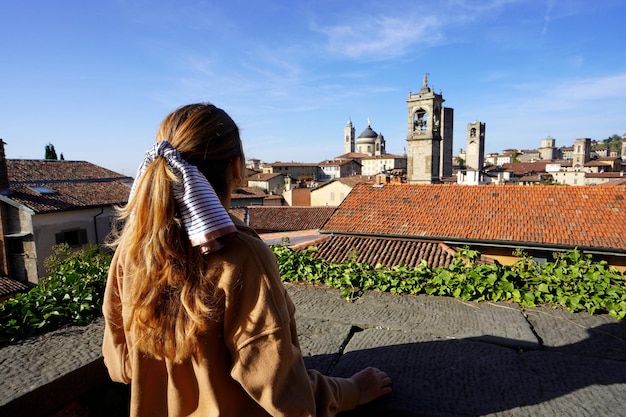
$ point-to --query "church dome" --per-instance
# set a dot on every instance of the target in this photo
(368, 134)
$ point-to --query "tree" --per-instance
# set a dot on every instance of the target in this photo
(615, 142)
(51, 153)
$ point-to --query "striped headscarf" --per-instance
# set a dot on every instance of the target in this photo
(204, 217)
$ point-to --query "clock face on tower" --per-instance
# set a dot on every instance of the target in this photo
(471, 147)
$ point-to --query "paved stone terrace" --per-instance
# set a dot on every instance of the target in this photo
(446, 357)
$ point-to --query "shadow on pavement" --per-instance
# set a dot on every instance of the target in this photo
(464, 377)
(483, 375)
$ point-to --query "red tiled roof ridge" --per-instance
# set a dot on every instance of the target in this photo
(284, 218)
(313, 242)
(581, 216)
(75, 185)
(381, 250)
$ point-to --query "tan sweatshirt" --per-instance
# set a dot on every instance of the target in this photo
(250, 364)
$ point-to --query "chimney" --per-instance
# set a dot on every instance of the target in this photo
(4, 172)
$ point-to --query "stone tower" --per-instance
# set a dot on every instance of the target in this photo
(445, 160)
(548, 149)
(475, 153)
(424, 136)
(581, 153)
(348, 133)
(379, 145)
(624, 147)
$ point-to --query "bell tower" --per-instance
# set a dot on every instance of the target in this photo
(424, 135)
(475, 154)
(581, 154)
(348, 140)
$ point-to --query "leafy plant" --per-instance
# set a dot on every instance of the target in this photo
(71, 294)
(573, 280)
(73, 291)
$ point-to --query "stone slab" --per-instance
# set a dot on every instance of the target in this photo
(37, 361)
(429, 315)
(321, 342)
(447, 358)
(471, 377)
(579, 334)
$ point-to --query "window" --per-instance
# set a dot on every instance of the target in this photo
(332, 196)
(420, 120)
(15, 246)
(73, 238)
(42, 190)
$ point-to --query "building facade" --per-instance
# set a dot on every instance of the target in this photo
(47, 202)
(373, 165)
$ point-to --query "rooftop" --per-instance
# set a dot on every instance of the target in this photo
(286, 218)
(383, 251)
(46, 186)
(586, 217)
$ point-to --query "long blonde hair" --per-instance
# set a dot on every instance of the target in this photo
(171, 292)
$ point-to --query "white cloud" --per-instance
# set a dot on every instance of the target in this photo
(598, 88)
(581, 94)
(564, 109)
(381, 38)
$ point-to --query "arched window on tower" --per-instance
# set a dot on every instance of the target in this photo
(473, 132)
(419, 120)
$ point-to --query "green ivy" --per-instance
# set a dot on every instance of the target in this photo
(72, 293)
(573, 280)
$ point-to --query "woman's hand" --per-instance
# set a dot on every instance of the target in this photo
(372, 383)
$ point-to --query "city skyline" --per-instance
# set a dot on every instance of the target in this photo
(95, 80)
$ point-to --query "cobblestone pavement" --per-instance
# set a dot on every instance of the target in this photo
(446, 357)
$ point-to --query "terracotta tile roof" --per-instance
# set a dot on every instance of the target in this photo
(239, 212)
(74, 184)
(523, 168)
(248, 192)
(355, 179)
(263, 177)
(616, 175)
(10, 287)
(621, 181)
(385, 156)
(608, 158)
(290, 164)
(384, 251)
(350, 181)
(338, 162)
(283, 218)
(357, 156)
(554, 216)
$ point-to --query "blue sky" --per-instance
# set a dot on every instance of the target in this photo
(95, 78)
